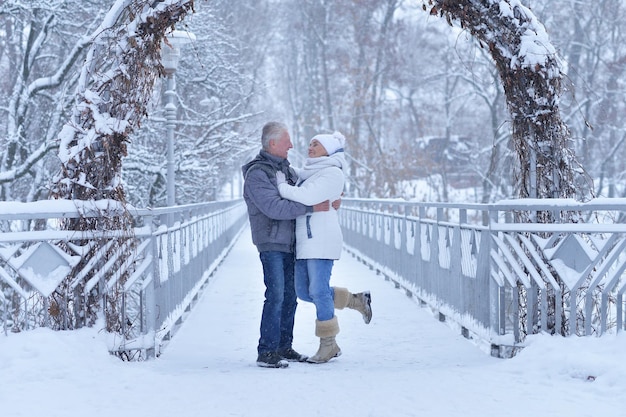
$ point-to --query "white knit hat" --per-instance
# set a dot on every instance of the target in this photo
(332, 143)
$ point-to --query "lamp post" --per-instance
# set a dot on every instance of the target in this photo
(170, 55)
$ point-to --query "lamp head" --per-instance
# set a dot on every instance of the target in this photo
(170, 49)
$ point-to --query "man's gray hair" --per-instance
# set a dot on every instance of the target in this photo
(272, 131)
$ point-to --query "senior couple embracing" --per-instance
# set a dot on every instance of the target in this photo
(296, 230)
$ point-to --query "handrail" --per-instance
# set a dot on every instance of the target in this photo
(145, 278)
(497, 279)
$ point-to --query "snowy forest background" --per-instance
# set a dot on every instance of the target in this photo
(417, 98)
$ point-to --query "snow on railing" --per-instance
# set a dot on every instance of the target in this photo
(495, 279)
(147, 277)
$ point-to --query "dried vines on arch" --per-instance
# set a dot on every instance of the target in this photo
(115, 88)
(531, 76)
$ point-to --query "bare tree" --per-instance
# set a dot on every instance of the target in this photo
(592, 40)
(40, 46)
(216, 84)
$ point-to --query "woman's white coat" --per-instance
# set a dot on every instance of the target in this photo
(318, 234)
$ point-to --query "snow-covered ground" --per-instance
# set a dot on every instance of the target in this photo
(405, 363)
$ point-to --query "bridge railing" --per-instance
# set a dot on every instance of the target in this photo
(498, 280)
(147, 277)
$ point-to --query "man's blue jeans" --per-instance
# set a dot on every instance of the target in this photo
(279, 308)
(313, 285)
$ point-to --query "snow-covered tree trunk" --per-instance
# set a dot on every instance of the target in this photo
(531, 75)
(530, 71)
(115, 87)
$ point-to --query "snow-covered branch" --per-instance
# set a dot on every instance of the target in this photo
(33, 158)
(531, 74)
(115, 87)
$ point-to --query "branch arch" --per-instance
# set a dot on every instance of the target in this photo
(531, 74)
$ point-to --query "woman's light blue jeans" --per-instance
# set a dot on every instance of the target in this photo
(313, 285)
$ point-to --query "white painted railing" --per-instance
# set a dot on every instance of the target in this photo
(498, 280)
(494, 279)
(148, 277)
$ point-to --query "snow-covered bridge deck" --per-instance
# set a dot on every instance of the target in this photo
(475, 265)
(404, 363)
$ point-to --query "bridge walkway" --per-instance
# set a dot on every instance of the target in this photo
(404, 363)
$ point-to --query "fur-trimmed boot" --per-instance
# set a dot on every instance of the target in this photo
(326, 330)
(361, 302)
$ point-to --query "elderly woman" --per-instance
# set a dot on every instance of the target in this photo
(319, 241)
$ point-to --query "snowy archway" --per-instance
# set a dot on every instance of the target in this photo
(531, 76)
(116, 85)
(112, 102)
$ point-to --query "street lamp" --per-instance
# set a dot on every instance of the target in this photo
(170, 55)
